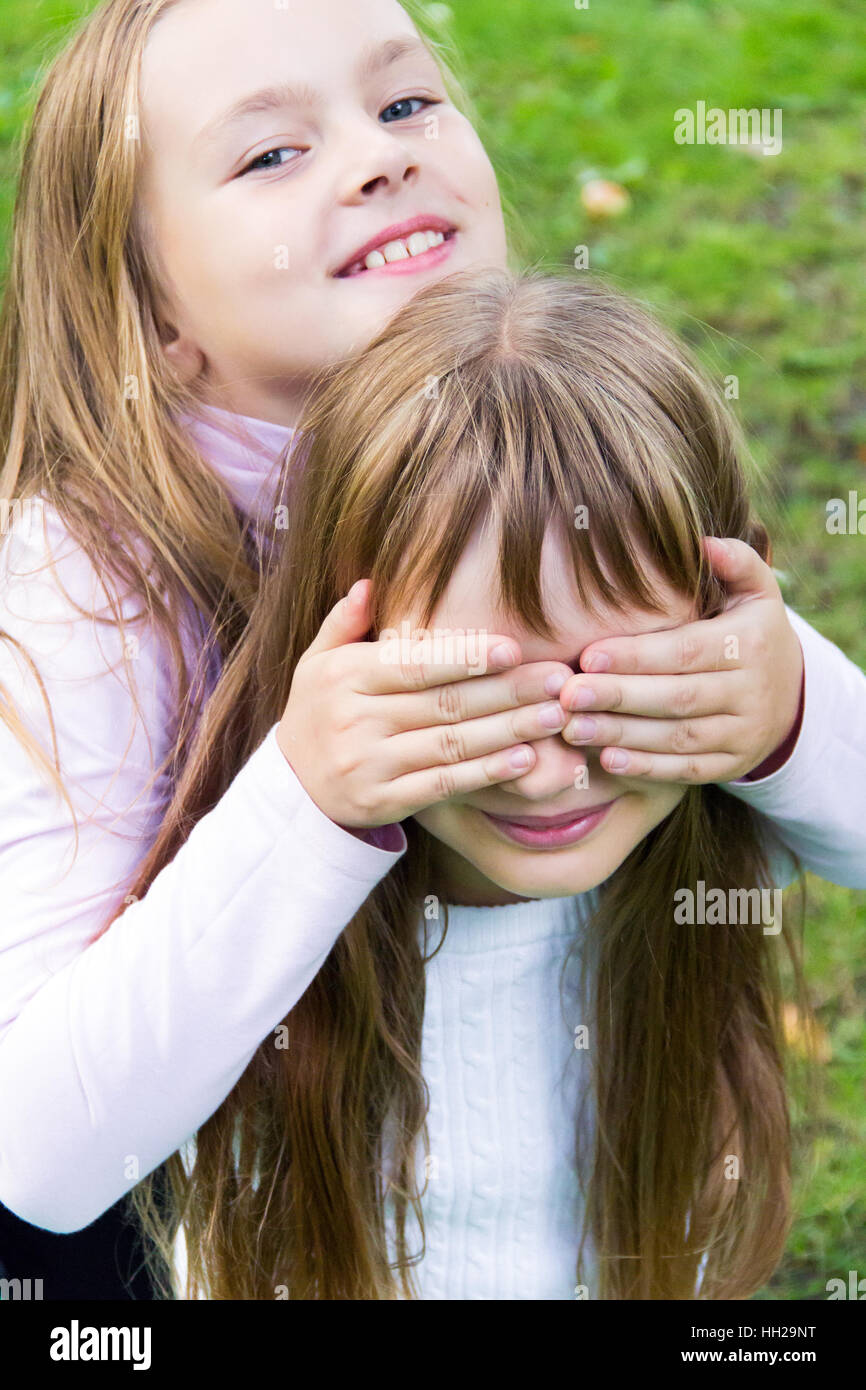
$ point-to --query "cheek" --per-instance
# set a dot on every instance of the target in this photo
(228, 244)
(196, 255)
(440, 821)
(465, 159)
(654, 803)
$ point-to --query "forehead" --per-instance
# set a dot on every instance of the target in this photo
(469, 602)
(203, 56)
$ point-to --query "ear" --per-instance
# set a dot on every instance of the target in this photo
(183, 357)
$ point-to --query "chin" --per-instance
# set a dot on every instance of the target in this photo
(542, 877)
(530, 873)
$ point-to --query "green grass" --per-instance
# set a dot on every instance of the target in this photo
(758, 261)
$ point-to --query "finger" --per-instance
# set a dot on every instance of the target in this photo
(740, 567)
(431, 785)
(448, 744)
(348, 621)
(534, 683)
(682, 736)
(393, 664)
(704, 645)
(690, 769)
(659, 697)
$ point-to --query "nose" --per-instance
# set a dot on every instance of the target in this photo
(375, 160)
(559, 769)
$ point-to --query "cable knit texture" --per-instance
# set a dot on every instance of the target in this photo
(502, 1205)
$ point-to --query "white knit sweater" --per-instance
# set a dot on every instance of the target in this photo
(502, 1208)
(502, 1204)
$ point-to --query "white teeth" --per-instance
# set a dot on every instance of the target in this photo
(402, 250)
(395, 251)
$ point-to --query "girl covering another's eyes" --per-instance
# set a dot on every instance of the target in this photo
(220, 202)
(533, 457)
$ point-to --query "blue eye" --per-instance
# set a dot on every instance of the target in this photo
(257, 162)
(405, 101)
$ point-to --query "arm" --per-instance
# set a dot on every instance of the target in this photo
(816, 797)
(113, 1053)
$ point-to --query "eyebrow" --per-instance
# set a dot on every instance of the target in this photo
(375, 58)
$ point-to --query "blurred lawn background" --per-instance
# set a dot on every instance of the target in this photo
(759, 262)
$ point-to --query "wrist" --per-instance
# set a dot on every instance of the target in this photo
(780, 755)
(388, 837)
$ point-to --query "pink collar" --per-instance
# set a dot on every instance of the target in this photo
(247, 453)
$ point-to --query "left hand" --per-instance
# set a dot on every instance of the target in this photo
(705, 702)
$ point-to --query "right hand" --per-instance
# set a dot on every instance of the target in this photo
(373, 742)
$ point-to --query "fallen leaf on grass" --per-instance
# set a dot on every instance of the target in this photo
(806, 1036)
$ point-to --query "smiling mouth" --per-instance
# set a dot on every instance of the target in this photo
(402, 251)
(551, 832)
(549, 822)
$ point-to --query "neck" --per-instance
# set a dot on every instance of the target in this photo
(495, 897)
(282, 408)
(246, 452)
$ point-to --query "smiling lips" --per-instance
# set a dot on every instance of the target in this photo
(549, 822)
(551, 832)
(400, 242)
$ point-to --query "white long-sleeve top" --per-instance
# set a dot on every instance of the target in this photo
(502, 1206)
(507, 1064)
(113, 1054)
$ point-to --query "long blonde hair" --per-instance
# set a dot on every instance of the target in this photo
(551, 393)
(90, 413)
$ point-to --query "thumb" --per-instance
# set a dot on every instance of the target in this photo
(348, 620)
(743, 572)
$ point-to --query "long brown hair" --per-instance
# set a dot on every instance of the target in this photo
(517, 398)
(91, 415)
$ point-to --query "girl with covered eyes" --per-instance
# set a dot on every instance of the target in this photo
(516, 1072)
(207, 193)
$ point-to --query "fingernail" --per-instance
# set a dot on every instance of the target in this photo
(503, 655)
(618, 761)
(582, 698)
(554, 683)
(582, 729)
(552, 716)
(521, 757)
(599, 661)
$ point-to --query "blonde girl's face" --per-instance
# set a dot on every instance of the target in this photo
(481, 863)
(256, 204)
